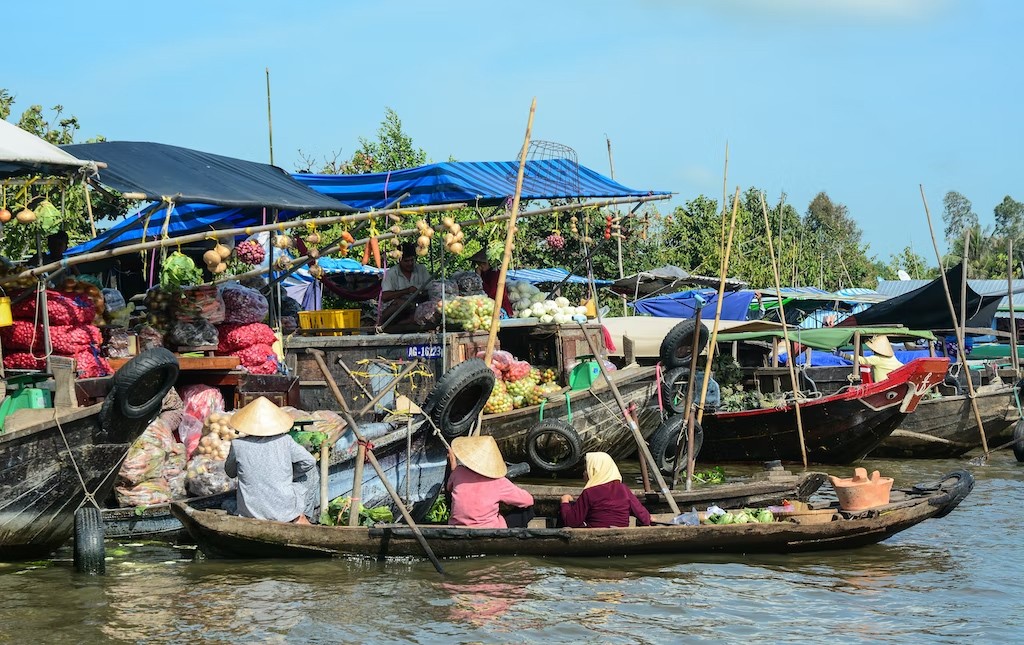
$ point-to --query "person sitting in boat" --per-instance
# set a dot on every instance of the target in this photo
(489, 276)
(277, 478)
(403, 282)
(882, 361)
(478, 485)
(605, 501)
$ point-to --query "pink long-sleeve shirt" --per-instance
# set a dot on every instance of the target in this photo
(475, 499)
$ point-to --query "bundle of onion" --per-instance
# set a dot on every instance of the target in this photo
(453, 238)
(423, 241)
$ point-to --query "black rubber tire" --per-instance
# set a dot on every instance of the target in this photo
(90, 552)
(677, 345)
(114, 426)
(955, 494)
(1018, 437)
(459, 396)
(663, 442)
(144, 381)
(673, 389)
(566, 435)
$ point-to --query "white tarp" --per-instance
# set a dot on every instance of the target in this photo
(647, 332)
(23, 153)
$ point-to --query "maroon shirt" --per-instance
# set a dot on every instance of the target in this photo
(605, 506)
(490, 280)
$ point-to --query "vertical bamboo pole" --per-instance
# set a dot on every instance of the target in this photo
(88, 207)
(1014, 359)
(618, 238)
(270, 123)
(510, 232)
(958, 330)
(718, 307)
(790, 354)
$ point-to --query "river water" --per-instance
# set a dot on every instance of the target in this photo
(945, 581)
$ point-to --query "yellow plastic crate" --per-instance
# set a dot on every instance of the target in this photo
(329, 319)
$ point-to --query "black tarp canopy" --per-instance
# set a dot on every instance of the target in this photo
(667, 279)
(161, 172)
(926, 307)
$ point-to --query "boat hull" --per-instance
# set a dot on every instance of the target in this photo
(838, 429)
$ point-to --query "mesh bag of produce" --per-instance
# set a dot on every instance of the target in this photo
(234, 337)
(202, 303)
(147, 454)
(192, 334)
(69, 340)
(200, 401)
(206, 476)
(470, 283)
(22, 335)
(23, 361)
(149, 337)
(244, 305)
(89, 364)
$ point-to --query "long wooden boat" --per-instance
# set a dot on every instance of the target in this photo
(592, 415)
(418, 479)
(945, 427)
(221, 535)
(838, 429)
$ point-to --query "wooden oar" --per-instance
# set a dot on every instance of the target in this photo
(318, 357)
(641, 443)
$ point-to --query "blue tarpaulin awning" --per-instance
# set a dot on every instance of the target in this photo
(549, 275)
(485, 183)
(735, 304)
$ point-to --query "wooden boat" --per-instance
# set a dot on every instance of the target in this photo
(221, 535)
(838, 429)
(764, 489)
(945, 427)
(417, 479)
(575, 423)
(53, 459)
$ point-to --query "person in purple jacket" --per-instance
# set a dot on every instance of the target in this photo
(605, 501)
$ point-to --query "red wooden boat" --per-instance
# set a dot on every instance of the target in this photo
(838, 429)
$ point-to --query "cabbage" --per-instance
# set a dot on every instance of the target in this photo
(179, 270)
(546, 318)
(562, 301)
(537, 308)
(526, 313)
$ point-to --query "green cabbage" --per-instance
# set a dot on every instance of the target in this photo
(179, 270)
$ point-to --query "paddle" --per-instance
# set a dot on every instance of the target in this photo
(641, 444)
(318, 357)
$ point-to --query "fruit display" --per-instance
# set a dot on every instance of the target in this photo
(250, 252)
(555, 241)
(472, 312)
(499, 401)
(453, 238)
(216, 258)
(519, 384)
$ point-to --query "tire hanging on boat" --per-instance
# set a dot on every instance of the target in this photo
(89, 551)
(115, 427)
(143, 382)
(673, 389)
(664, 441)
(1018, 438)
(955, 494)
(554, 446)
(459, 396)
(677, 345)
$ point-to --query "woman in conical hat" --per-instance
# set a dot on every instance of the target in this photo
(478, 485)
(605, 501)
(882, 361)
(265, 459)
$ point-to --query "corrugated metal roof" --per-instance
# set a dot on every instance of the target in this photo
(982, 287)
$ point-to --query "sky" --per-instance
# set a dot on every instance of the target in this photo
(866, 100)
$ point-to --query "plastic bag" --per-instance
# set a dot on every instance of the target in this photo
(192, 334)
(470, 283)
(290, 306)
(244, 305)
(147, 454)
(200, 401)
(117, 343)
(206, 476)
(147, 493)
(450, 289)
(149, 337)
(114, 300)
(426, 312)
(202, 303)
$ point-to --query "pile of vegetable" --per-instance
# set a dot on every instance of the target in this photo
(746, 516)
(178, 270)
(530, 302)
(518, 383)
(338, 509)
(472, 312)
(217, 436)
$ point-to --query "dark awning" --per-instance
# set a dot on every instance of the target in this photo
(161, 172)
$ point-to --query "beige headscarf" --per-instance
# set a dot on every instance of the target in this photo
(601, 469)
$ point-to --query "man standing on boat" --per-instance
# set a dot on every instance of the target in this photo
(403, 282)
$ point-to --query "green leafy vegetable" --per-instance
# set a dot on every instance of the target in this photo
(179, 270)
(439, 512)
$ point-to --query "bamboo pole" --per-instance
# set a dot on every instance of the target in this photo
(510, 233)
(1014, 359)
(791, 357)
(88, 207)
(688, 419)
(270, 122)
(957, 328)
(618, 238)
(718, 306)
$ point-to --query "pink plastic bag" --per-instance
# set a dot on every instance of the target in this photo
(200, 401)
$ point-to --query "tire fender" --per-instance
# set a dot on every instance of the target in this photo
(1018, 438)
(677, 345)
(955, 493)
(89, 550)
(569, 441)
(459, 396)
(673, 392)
(144, 381)
(663, 442)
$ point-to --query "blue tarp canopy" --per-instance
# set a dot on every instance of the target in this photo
(549, 275)
(484, 183)
(735, 304)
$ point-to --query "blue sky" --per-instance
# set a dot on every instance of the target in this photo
(864, 99)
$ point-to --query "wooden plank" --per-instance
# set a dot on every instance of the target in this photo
(63, 370)
(186, 363)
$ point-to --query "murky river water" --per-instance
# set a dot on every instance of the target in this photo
(949, 580)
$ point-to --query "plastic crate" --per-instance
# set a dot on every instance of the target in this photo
(329, 319)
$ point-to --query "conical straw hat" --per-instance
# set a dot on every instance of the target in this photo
(481, 455)
(880, 345)
(261, 418)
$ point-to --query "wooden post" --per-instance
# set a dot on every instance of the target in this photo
(958, 329)
(688, 425)
(856, 356)
(357, 487)
(790, 354)
(1014, 359)
(718, 308)
(510, 232)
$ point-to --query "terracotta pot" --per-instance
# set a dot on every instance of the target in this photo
(859, 493)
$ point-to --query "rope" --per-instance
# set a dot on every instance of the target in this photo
(613, 412)
(89, 496)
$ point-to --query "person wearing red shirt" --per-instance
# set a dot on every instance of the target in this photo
(478, 485)
(490, 276)
(605, 501)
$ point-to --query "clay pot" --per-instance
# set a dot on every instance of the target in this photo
(859, 492)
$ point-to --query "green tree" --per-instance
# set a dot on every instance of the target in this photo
(915, 265)
(957, 214)
(1009, 218)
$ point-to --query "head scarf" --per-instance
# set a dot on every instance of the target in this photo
(601, 469)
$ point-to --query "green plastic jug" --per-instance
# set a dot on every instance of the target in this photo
(584, 375)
